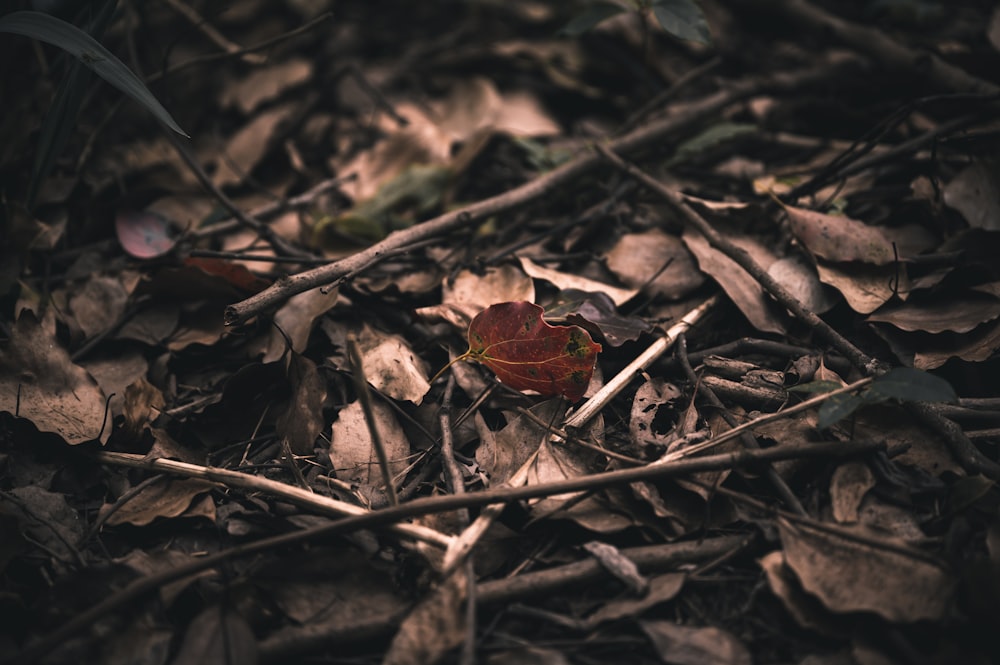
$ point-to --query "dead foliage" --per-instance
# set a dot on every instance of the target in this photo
(776, 224)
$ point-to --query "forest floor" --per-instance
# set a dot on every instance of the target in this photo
(754, 424)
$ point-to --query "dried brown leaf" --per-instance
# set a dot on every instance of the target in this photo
(840, 238)
(874, 575)
(39, 382)
(641, 260)
(691, 645)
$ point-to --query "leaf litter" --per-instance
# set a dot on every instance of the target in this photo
(438, 180)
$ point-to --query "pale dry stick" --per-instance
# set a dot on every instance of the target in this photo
(216, 37)
(296, 495)
(546, 184)
(607, 392)
(389, 517)
(456, 483)
(462, 546)
(960, 446)
(365, 398)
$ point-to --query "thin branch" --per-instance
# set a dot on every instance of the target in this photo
(961, 447)
(878, 45)
(425, 506)
(746, 438)
(534, 190)
(216, 37)
(304, 498)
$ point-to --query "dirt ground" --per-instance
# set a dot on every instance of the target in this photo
(500, 332)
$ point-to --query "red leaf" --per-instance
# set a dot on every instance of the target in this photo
(235, 273)
(528, 354)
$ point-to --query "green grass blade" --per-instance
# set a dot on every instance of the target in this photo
(89, 51)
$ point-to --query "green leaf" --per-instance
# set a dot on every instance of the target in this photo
(591, 16)
(87, 50)
(911, 385)
(683, 19)
(837, 408)
(711, 137)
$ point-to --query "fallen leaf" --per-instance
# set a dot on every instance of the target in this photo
(655, 261)
(974, 193)
(567, 281)
(436, 625)
(218, 634)
(848, 486)
(302, 419)
(502, 453)
(866, 287)
(295, 320)
(247, 146)
(469, 293)
(838, 238)
(741, 288)
(391, 366)
(265, 83)
(528, 354)
(352, 452)
(165, 497)
(235, 273)
(883, 576)
(959, 313)
(800, 279)
(40, 383)
(695, 645)
(596, 312)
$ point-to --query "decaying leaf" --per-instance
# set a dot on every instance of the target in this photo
(528, 354)
(840, 238)
(166, 497)
(869, 574)
(596, 312)
(351, 451)
(39, 382)
(693, 645)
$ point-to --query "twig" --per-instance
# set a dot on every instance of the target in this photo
(660, 99)
(269, 210)
(745, 261)
(214, 57)
(393, 514)
(961, 447)
(321, 504)
(365, 398)
(216, 37)
(276, 241)
(608, 392)
(876, 44)
(757, 422)
(746, 438)
(456, 482)
(466, 541)
(293, 642)
(531, 191)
